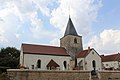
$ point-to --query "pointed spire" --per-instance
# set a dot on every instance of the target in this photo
(70, 30)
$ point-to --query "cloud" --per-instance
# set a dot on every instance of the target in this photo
(82, 12)
(2, 38)
(17, 15)
(1, 20)
(43, 6)
(37, 27)
(55, 41)
(17, 36)
(108, 41)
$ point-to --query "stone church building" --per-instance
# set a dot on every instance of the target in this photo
(69, 56)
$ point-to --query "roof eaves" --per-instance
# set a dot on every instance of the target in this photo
(45, 54)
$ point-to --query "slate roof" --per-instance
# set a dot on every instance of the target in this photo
(113, 57)
(84, 53)
(52, 63)
(43, 50)
(70, 30)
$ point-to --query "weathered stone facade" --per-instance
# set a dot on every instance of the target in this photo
(71, 41)
(109, 75)
(61, 75)
(48, 75)
(72, 44)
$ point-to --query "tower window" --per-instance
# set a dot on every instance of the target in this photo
(75, 40)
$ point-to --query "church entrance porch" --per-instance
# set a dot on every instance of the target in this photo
(52, 65)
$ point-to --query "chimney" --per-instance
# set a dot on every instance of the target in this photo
(102, 55)
(88, 49)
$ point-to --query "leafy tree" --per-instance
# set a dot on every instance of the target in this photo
(9, 57)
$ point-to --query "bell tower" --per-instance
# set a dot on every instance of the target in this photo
(71, 41)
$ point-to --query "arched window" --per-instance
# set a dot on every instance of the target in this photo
(39, 63)
(94, 64)
(75, 40)
(65, 64)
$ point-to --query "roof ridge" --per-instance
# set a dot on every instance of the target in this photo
(111, 54)
(42, 45)
(90, 49)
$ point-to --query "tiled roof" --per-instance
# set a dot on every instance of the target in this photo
(43, 50)
(52, 63)
(83, 54)
(113, 57)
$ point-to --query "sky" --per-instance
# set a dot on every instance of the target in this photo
(44, 22)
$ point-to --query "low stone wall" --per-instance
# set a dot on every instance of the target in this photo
(109, 75)
(19, 74)
(47, 75)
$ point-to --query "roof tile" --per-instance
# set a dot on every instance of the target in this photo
(70, 30)
(83, 54)
(42, 49)
(113, 57)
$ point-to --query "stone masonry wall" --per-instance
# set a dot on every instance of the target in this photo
(109, 75)
(48, 75)
(18, 74)
(68, 43)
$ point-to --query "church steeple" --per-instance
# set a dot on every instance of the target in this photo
(71, 41)
(70, 30)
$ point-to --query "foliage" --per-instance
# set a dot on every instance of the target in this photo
(4, 76)
(9, 57)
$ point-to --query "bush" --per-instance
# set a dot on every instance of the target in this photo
(3, 69)
(4, 76)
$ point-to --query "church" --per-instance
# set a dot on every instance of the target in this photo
(69, 56)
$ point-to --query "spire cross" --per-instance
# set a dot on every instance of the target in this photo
(69, 9)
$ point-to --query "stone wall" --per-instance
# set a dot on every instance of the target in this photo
(109, 75)
(68, 43)
(48, 75)
(19, 74)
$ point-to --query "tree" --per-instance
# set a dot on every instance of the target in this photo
(9, 57)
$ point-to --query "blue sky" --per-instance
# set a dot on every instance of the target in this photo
(44, 22)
